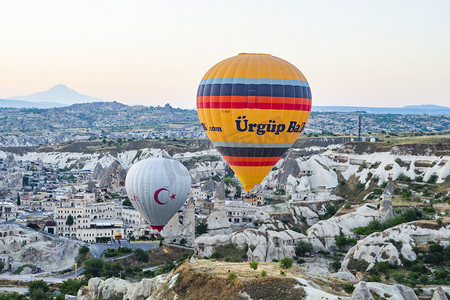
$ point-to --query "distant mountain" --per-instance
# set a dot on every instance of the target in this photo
(60, 94)
(28, 104)
(406, 110)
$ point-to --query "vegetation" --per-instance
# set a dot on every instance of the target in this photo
(71, 286)
(230, 253)
(286, 263)
(302, 248)
(342, 241)
(121, 251)
(201, 228)
(141, 255)
(253, 265)
(375, 226)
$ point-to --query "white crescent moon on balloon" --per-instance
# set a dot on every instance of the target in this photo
(157, 194)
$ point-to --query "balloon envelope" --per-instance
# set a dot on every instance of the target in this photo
(157, 188)
(253, 107)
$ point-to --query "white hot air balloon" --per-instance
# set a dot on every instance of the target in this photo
(158, 187)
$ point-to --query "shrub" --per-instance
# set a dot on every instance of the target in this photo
(433, 178)
(71, 286)
(84, 250)
(232, 276)
(93, 267)
(286, 263)
(348, 288)
(347, 206)
(263, 273)
(302, 248)
(141, 255)
(253, 265)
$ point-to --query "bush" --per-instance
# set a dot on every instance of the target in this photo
(253, 265)
(302, 248)
(263, 273)
(38, 284)
(93, 267)
(348, 288)
(374, 278)
(286, 263)
(347, 206)
(335, 265)
(201, 228)
(141, 255)
(232, 276)
(84, 250)
(433, 178)
(71, 286)
(39, 294)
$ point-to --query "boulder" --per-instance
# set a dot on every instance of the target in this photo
(365, 290)
(205, 244)
(439, 294)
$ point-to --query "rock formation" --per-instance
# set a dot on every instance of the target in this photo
(31, 247)
(174, 231)
(217, 221)
(98, 172)
(364, 290)
(439, 294)
(288, 167)
(114, 176)
(327, 230)
(389, 244)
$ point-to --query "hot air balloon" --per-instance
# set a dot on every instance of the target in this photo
(253, 107)
(157, 188)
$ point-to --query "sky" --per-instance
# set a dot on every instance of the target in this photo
(353, 53)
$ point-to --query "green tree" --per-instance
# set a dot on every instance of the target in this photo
(302, 248)
(18, 199)
(93, 267)
(38, 284)
(111, 270)
(286, 263)
(253, 265)
(84, 250)
(141, 255)
(39, 294)
(69, 222)
(201, 228)
(127, 202)
(71, 286)
(2, 266)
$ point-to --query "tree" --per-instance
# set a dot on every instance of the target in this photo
(201, 228)
(18, 199)
(286, 263)
(83, 250)
(253, 265)
(93, 267)
(69, 222)
(127, 202)
(38, 290)
(71, 286)
(39, 294)
(141, 255)
(302, 248)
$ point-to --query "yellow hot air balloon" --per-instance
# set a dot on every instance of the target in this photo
(253, 107)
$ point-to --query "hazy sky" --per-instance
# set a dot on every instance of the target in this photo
(365, 53)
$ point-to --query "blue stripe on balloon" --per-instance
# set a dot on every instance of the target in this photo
(261, 90)
(254, 81)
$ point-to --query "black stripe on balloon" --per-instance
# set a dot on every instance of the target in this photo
(261, 90)
(252, 152)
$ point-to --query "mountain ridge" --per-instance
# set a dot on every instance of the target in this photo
(59, 93)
